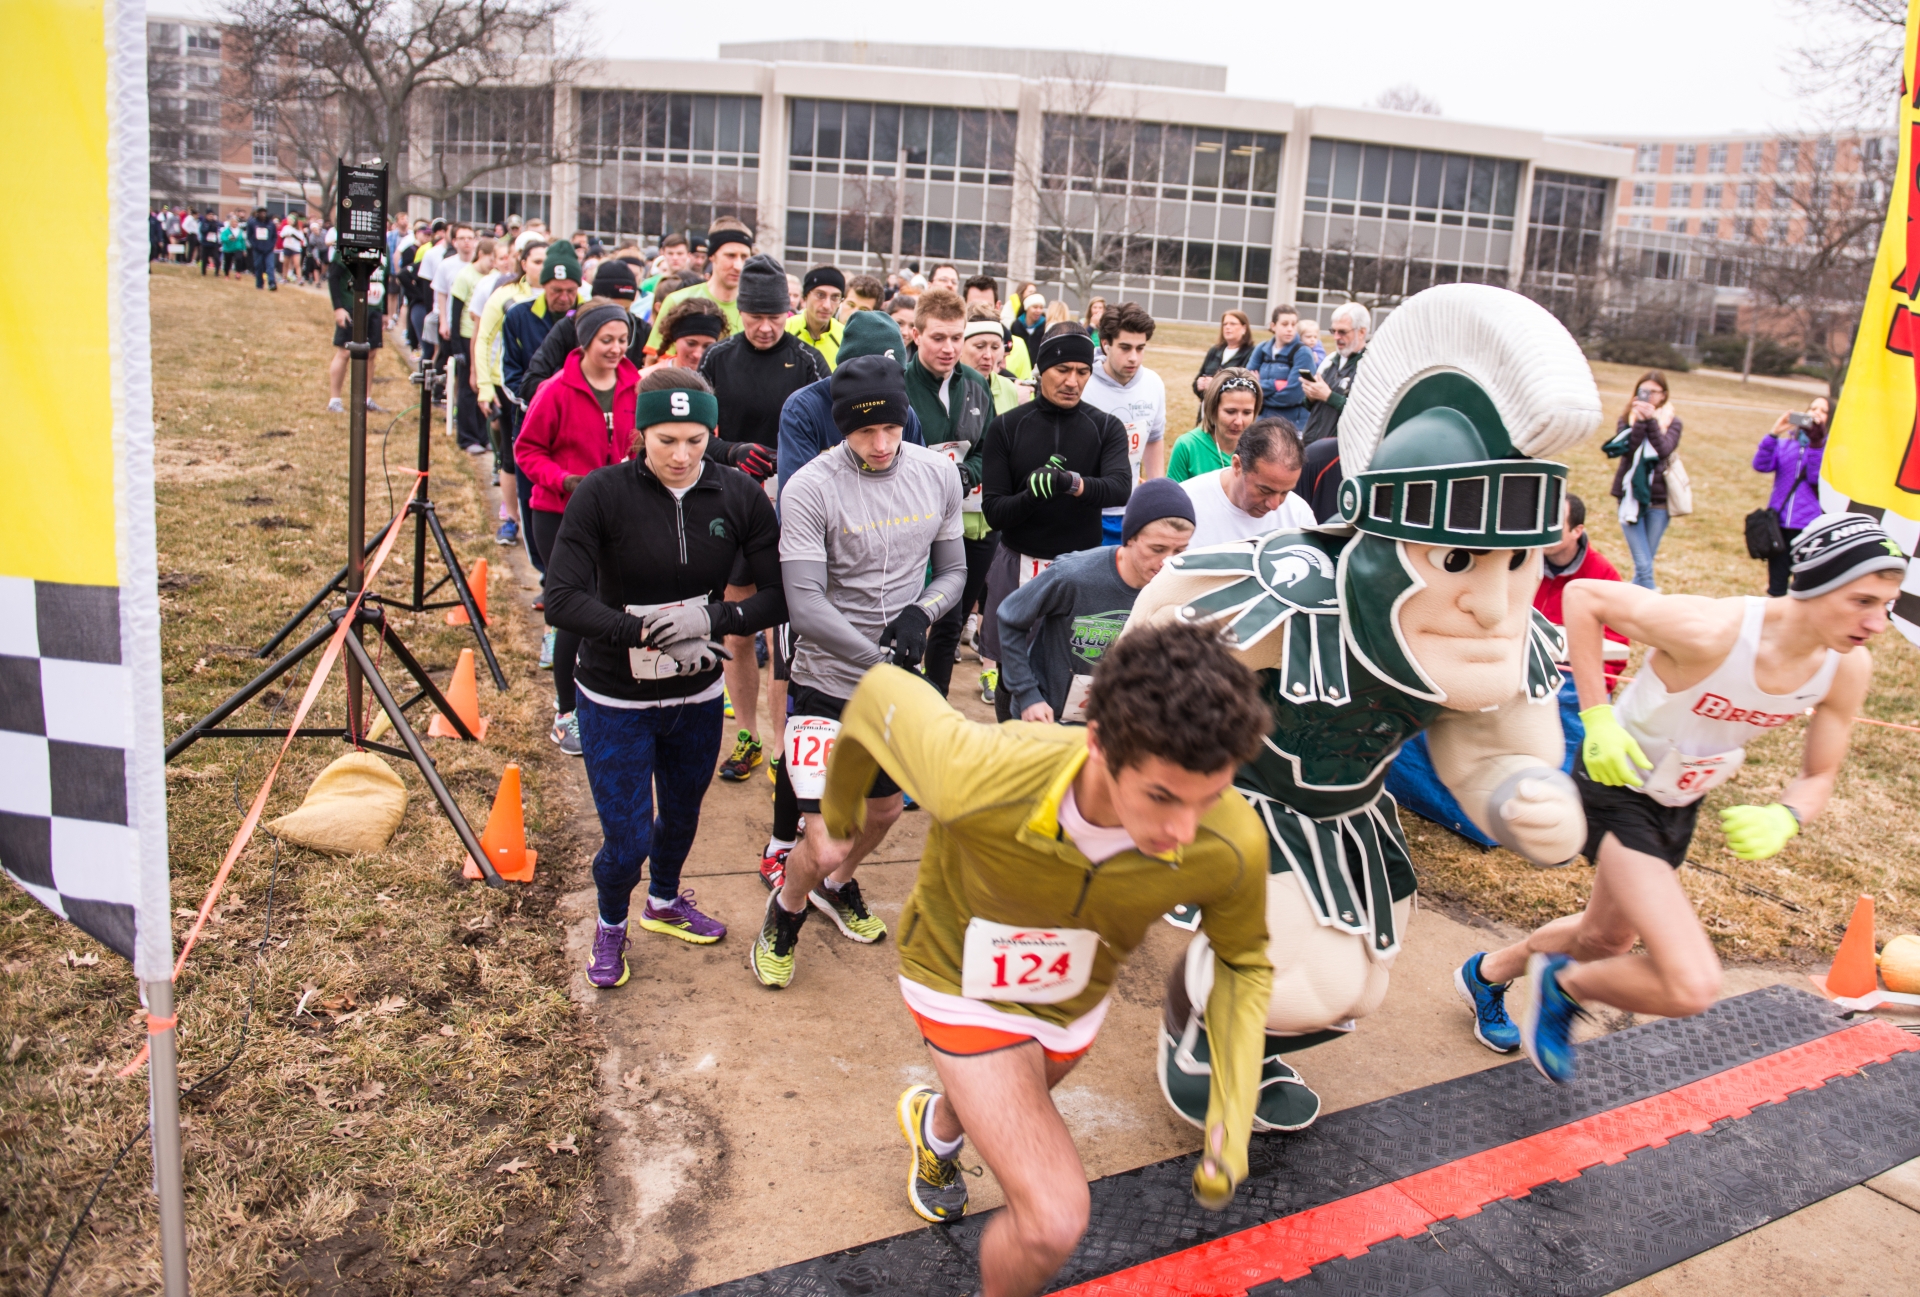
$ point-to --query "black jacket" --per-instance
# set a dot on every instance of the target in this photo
(1091, 442)
(562, 338)
(1219, 357)
(752, 385)
(1323, 417)
(626, 540)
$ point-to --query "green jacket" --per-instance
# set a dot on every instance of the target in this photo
(972, 409)
(997, 851)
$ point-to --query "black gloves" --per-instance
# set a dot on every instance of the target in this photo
(906, 636)
(756, 461)
(1050, 479)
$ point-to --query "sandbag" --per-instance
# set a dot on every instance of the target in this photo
(353, 807)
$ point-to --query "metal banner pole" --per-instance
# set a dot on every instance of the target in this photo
(163, 1092)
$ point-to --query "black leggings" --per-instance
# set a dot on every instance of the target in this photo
(943, 641)
(566, 644)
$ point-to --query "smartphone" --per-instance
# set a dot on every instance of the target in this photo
(1644, 394)
(1799, 420)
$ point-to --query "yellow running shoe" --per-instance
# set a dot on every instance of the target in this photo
(936, 1186)
(848, 910)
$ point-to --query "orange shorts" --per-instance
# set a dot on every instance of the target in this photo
(965, 1042)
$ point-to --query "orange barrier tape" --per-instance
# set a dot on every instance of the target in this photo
(254, 812)
(157, 1025)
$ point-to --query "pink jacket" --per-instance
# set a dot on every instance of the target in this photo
(565, 434)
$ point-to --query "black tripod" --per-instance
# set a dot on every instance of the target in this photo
(359, 664)
(426, 517)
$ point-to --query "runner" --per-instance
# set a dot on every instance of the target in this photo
(860, 525)
(1253, 494)
(1229, 408)
(1057, 848)
(721, 256)
(649, 668)
(1124, 387)
(814, 321)
(1722, 673)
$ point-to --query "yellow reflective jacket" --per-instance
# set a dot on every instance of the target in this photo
(996, 850)
(487, 339)
(827, 345)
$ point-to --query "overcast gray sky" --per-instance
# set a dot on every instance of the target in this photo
(1626, 67)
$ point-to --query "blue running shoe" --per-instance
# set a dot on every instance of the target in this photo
(1547, 1031)
(1491, 1025)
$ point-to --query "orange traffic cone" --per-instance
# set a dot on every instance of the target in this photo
(505, 840)
(1852, 974)
(476, 582)
(463, 692)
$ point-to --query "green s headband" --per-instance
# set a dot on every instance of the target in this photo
(676, 405)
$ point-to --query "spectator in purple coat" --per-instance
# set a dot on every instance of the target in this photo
(1792, 453)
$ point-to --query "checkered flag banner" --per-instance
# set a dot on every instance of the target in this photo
(1872, 459)
(83, 824)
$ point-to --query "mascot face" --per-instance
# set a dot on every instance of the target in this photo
(1466, 622)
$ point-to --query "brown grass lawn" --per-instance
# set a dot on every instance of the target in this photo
(438, 1045)
(1867, 842)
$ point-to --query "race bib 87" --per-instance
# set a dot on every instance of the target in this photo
(1032, 965)
(809, 742)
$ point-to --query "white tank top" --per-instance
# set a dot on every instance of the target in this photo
(1724, 712)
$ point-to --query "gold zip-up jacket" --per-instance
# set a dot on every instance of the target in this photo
(996, 849)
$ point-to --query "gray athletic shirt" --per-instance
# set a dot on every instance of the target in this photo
(875, 533)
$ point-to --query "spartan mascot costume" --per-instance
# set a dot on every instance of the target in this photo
(1414, 612)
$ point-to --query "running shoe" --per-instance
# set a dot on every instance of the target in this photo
(747, 752)
(848, 911)
(476, 449)
(771, 956)
(989, 682)
(906, 801)
(679, 918)
(546, 649)
(608, 967)
(566, 733)
(970, 637)
(1491, 1025)
(936, 1186)
(773, 769)
(509, 533)
(1546, 1032)
(375, 408)
(336, 406)
(773, 867)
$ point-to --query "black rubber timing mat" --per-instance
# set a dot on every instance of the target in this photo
(1677, 1136)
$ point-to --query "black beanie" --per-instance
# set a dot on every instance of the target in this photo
(1836, 548)
(1069, 346)
(763, 287)
(613, 281)
(827, 275)
(868, 390)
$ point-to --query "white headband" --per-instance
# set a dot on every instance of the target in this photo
(978, 327)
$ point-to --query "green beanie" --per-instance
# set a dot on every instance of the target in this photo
(871, 333)
(560, 263)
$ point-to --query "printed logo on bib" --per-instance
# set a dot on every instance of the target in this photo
(1026, 965)
(1681, 781)
(809, 742)
(1716, 708)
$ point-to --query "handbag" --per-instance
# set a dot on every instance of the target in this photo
(1679, 487)
(1766, 537)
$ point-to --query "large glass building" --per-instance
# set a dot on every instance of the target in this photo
(1117, 177)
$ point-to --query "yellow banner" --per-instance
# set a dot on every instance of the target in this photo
(1873, 454)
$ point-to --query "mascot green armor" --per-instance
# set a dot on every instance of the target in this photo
(1413, 612)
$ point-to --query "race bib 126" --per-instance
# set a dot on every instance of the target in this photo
(1031, 965)
(809, 742)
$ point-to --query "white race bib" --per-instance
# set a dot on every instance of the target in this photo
(1136, 449)
(1033, 965)
(652, 664)
(1681, 780)
(1076, 706)
(809, 742)
(1032, 567)
(955, 451)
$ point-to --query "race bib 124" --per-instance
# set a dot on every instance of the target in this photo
(1030, 965)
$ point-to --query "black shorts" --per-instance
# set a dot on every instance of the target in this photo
(1636, 820)
(805, 700)
(343, 333)
(782, 637)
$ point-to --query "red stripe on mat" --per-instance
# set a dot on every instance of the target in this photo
(1289, 1247)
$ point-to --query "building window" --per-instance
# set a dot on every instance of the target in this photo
(1640, 223)
(164, 36)
(204, 39)
(1565, 230)
(652, 163)
(1786, 157)
(265, 155)
(1646, 157)
(1679, 195)
(1782, 197)
(203, 178)
(1683, 155)
(1710, 195)
(1823, 155)
(1874, 150)
(1677, 224)
(474, 129)
(1750, 157)
(1717, 159)
(1748, 196)
(203, 110)
(1643, 194)
(264, 121)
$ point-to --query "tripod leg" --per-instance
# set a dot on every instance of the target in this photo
(427, 686)
(466, 601)
(325, 592)
(246, 692)
(424, 762)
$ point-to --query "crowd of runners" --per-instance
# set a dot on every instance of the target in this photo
(769, 509)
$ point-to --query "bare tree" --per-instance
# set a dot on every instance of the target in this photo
(1092, 203)
(871, 218)
(360, 76)
(1406, 97)
(1853, 59)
